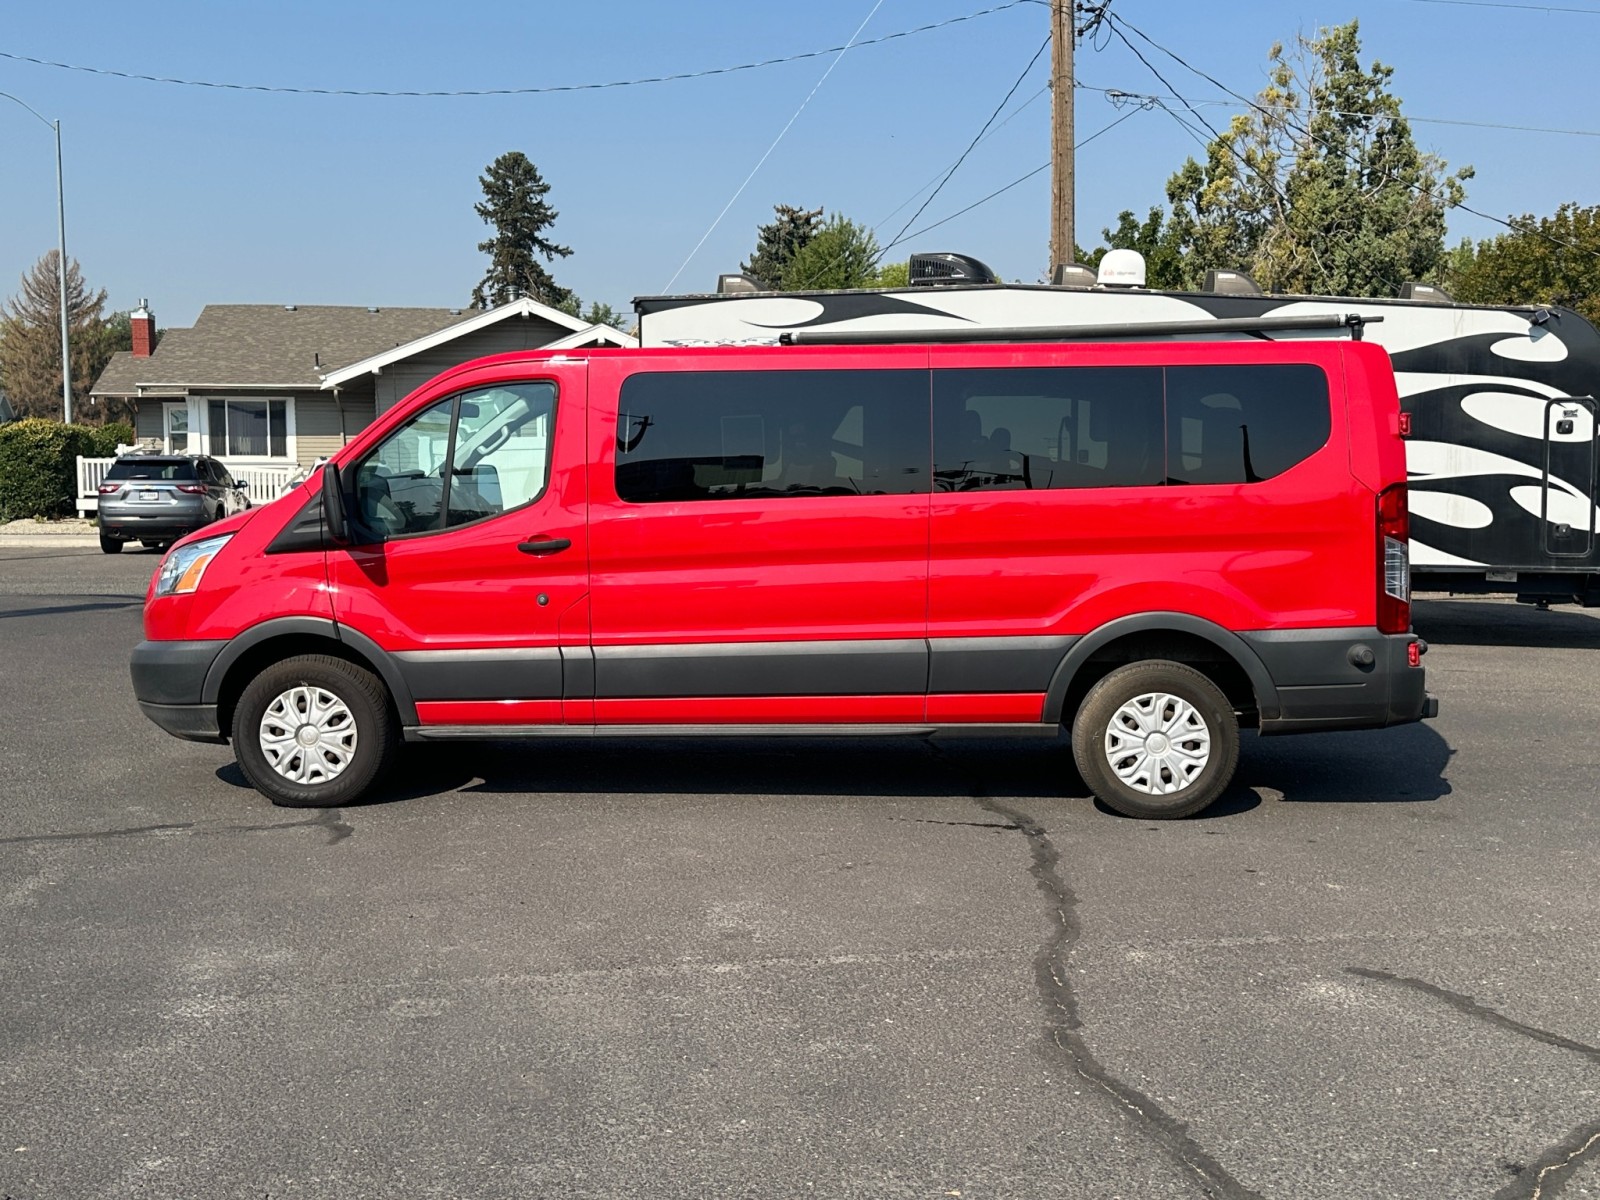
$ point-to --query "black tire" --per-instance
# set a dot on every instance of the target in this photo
(367, 703)
(109, 545)
(1125, 686)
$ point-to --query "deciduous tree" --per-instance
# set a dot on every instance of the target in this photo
(842, 254)
(1546, 260)
(1320, 188)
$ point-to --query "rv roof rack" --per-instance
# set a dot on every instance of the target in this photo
(1353, 322)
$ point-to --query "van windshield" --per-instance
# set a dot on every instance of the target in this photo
(179, 470)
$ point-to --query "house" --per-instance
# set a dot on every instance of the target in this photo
(275, 387)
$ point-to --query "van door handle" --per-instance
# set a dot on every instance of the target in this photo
(544, 545)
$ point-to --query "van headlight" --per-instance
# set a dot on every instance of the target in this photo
(182, 568)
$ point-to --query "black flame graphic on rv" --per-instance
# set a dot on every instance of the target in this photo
(1515, 538)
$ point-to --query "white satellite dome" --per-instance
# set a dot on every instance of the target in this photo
(1122, 269)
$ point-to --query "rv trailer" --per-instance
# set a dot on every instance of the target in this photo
(1499, 402)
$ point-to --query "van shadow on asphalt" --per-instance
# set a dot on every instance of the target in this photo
(1395, 766)
(1491, 623)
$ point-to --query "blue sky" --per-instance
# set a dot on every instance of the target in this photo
(192, 196)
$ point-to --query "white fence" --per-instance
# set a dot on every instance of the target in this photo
(264, 482)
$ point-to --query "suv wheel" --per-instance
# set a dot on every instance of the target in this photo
(1156, 740)
(314, 732)
(109, 545)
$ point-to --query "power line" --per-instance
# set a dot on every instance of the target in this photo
(1554, 8)
(512, 91)
(740, 190)
(1022, 179)
(1117, 22)
(1335, 112)
(957, 164)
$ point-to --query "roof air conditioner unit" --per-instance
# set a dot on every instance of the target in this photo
(1412, 290)
(1073, 275)
(933, 270)
(1230, 283)
(739, 285)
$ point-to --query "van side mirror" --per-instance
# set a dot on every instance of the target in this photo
(335, 516)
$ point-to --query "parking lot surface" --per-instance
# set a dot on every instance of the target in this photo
(780, 967)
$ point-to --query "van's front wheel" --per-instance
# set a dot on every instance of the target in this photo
(313, 731)
(1156, 740)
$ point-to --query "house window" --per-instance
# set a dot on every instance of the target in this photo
(177, 427)
(249, 428)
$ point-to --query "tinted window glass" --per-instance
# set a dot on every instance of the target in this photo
(1047, 427)
(724, 435)
(1243, 424)
(502, 450)
(179, 470)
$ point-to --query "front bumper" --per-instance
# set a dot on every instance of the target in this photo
(169, 683)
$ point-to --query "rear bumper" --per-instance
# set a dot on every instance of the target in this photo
(1342, 679)
(169, 683)
(191, 722)
(164, 527)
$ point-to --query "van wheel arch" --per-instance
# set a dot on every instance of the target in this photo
(252, 651)
(1220, 655)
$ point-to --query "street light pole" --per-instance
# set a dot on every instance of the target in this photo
(61, 263)
(61, 278)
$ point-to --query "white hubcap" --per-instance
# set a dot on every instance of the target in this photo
(308, 735)
(1158, 743)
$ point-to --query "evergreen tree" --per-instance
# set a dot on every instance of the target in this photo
(30, 341)
(778, 243)
(1321, 188)
(514, 203)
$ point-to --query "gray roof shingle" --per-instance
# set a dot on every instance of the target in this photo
(268, 345)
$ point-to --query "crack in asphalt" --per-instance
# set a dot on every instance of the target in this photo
(1546, 1175)
(330, 820)
(963, 824)
(1472, 1008)
(1063, 1025)
(1551, 1170)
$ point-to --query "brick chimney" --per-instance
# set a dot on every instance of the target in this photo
(144, 330)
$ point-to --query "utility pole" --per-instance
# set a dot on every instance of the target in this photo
(1063, 34)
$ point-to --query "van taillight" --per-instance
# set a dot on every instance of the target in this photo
(194, 489)
(1394, 561)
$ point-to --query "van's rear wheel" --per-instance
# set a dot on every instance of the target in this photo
(1156, 740)
(313, 731)
(109, 545)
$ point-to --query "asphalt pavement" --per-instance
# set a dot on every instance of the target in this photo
(772, 968)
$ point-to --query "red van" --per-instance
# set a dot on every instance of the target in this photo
(1152, 544)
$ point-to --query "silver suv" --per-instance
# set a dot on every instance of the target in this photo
(157, 498)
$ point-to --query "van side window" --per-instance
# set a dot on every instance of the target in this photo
(1243, 424)
(497, 443)
(1047, 427)
(726, 435)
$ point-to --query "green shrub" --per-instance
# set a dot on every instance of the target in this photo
(108, 437)
(39, 467)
